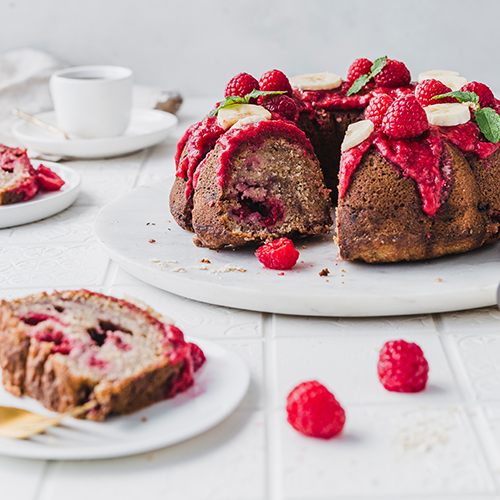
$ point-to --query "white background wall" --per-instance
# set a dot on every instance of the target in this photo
(196, 46)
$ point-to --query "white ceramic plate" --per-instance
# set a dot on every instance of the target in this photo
(219, 387)
(173, 263)
(147, 128)
(43, 204)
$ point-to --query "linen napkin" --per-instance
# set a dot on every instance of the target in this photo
(24, 84)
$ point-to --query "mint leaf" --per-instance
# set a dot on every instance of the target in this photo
(234, 99)
(228, 101)
(262, 93)
(461, 96)
(358, 85)
(376, 68)
(489, 123)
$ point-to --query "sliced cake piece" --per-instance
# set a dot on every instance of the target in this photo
(71, 347)
(18, 180)
(261, 181)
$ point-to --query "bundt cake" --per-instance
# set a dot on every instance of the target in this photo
(415, 164)
(19, 181)
(71, 347)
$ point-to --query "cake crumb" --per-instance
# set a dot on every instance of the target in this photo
(179, 270)
(144, 419)
(207, 261)
(438, 280)
(151, 224)
(152, 240)
(324, 272)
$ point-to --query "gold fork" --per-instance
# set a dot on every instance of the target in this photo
(21, 424)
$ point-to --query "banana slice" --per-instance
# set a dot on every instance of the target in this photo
(435, 74)
(447, 115)
(247, 120)
(227, 117)
(316, 81)
(357, 133)
(451, 79)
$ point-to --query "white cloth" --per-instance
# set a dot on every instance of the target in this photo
(24, 84)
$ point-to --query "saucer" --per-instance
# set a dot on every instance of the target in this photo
(44, 203)
(147, 128)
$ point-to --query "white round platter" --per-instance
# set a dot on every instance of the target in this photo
(138, 232)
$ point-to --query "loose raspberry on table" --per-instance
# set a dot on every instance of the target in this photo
(275, 81)
(358, 68)
(405, 118)
(313, 410)
(377, 108)
(279, 254)
(402, 367)
(282, 105)
(486, 97)
(425, 91)
(394, 74)
(241, 85)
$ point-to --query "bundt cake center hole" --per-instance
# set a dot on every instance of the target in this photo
(98, 335)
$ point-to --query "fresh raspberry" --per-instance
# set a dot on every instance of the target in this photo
(241, 85)
(486, 97)
(197, 355)
(282, 105)
(279, 254)
(313, 410)
(402, 367)
(425, 91)
(394, 74)
(357, 68)
(405, 118)
(377, 108)
(275, 80)
(49, 180)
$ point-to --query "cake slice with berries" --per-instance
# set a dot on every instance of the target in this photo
(247, 173)
(72, 347)
(19, 181)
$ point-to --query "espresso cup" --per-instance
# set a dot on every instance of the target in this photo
(92, 101)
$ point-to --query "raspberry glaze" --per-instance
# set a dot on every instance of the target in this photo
(422, 158)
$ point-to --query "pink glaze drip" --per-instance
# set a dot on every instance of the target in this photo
(254, 135)
(200, 138)
(418, 158)
(467, 138)
(178, 351)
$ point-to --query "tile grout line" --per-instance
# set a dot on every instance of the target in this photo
(43, 480)
(270, 383)
(469, 401)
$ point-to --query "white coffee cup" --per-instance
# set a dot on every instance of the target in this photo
(92, 101)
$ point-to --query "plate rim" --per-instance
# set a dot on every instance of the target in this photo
(103, 147)
(65, 197)
(123, 449)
